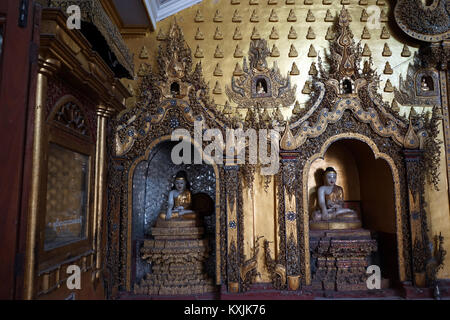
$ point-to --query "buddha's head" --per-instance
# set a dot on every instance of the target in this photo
(330, 176)
(181, 182)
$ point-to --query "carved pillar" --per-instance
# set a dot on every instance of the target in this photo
(419, 244)
(231, 179)
(103, 113)
(47, 68)
(291, 218)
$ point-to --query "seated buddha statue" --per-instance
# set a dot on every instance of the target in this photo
(180, 199)
(424, 85)
(331, 213)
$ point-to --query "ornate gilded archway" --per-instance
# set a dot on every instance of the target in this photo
(397, 195)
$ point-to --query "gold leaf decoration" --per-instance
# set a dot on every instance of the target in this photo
(273, 16)
(274, 34)
(218, 34)
(218, 53)
(237, 34)
(218, 71)
(306, 90)
(199, 17)
(328, 16)
(275, 52)
(255, 34)
(394, 106)
(405, 51)
(388, 87)
(366, 51)
(330, 34)
(199, 35)
(385, 33)
(218, 17)
(297, 109)
(364, 16)
(310, 34)
(292, 34)
(386, 51)
(383, 16)
(161, 36)
(292, 17)
(312, 52)
(294, 70)
(313, 69)
(310, 16)
(227, 109)
(144, 53)
(142, 71)
(238, 70)
(387, 68)
(238, 52)
(365, 34)
(236, 16)
(254, 17)
(217, 88)
(198, 52)
(293, 52)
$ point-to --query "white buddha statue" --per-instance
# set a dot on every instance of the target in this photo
(180, 199)
(331, 205)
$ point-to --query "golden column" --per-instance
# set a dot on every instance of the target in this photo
(47, 68)
(291, 219)
(231, 179)
(103, 113)
(419, 243)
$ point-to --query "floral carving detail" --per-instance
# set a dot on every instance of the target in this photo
(291, 215)
(70, 116)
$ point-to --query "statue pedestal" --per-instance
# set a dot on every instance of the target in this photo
(335, 224)
(340, 259)
(177, 255)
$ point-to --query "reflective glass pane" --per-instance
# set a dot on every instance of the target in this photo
(67, 195)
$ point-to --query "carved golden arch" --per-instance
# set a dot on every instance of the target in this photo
(397, 195)
(144, 157)
(61, 102)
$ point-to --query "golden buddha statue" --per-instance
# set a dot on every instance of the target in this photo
(180, 199)
(424, 85)
(331, 213)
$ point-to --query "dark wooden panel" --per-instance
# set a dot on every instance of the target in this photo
(14, 79)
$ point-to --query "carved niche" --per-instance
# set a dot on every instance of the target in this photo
(420, 87)
(260, 86)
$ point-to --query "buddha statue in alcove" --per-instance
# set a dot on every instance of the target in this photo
(178, 250)
(424, 85)
(180, 199)
(331, 212)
